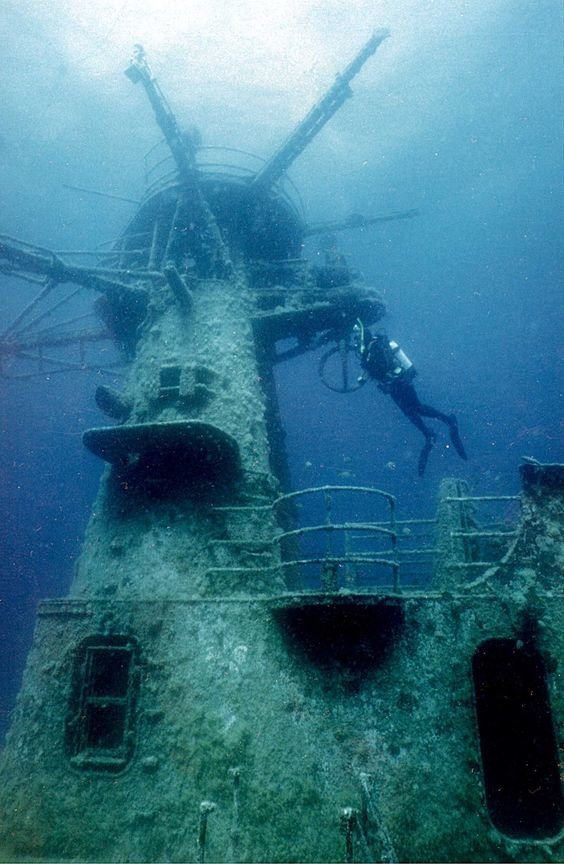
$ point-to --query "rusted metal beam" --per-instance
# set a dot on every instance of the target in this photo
(17, 347)
(181, 145)
(20, 256)
(319, 115)
(356, 221)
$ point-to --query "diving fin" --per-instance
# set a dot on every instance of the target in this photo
(455, 437)
(424, 455)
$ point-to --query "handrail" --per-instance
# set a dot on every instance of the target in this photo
(333, 526)
(462, 499)
(490, 530)
(311, 489)
(402, 558)
(157, 175)
(331, 556)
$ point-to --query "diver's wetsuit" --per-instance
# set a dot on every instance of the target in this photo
(387, 364)
(404, 395)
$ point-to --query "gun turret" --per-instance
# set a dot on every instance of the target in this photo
(319, 115)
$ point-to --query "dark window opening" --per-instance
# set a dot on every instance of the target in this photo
(105, 725)
(100, 723)
(517, 740)
(109, 672)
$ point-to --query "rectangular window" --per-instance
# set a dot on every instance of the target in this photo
(100, 726)
(169, 382)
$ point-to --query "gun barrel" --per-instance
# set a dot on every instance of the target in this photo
(355, 221)
(319, 115)
(363, 55)
(180, 145)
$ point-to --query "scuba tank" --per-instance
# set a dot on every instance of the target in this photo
(387, 364)
(402, 361)
(358, 336)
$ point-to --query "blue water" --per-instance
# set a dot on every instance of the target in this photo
(459, 115)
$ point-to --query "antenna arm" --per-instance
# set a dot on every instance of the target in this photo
(182, 149)
(20, 257)
(319, 115)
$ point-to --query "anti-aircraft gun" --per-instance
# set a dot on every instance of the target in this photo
(252, 208)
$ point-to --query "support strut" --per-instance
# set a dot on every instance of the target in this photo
(319, 115)
(183, 151)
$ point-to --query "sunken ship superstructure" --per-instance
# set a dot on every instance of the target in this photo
(223, 682)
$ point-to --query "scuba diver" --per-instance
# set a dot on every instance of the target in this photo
(385, 362)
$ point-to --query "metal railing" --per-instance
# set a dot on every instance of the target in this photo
(337, 538)
(218, 161)
(331, 550)
(481, 542)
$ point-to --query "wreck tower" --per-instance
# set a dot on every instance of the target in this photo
(214, 689)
